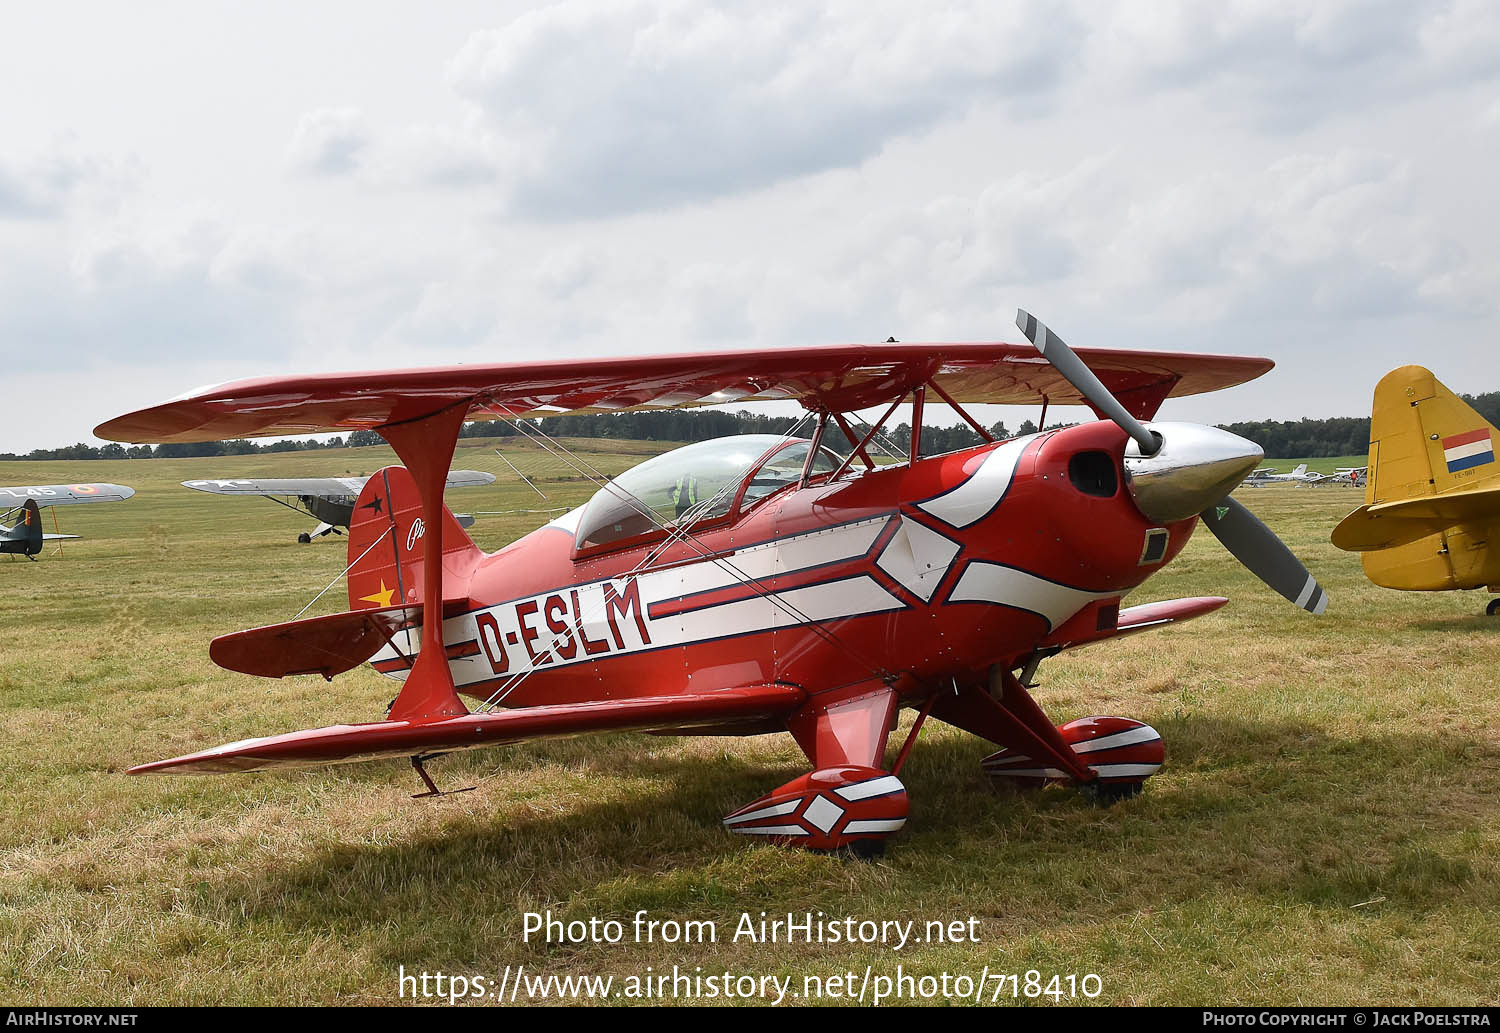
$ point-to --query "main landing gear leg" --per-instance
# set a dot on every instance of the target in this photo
(847, 802)
(1109, 757)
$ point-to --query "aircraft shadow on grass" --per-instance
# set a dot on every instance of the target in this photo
(1278, 811)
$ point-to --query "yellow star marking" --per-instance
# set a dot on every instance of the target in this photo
(380, 598)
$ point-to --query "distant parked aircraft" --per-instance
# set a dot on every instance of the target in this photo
(327, 499)
(1299, 475)
(21, 511)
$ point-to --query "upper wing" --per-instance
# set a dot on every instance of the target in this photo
(837, 377)
(339, 743)
(63, 494)
(323, 487)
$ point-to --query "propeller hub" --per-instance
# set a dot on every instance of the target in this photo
(1193, 468)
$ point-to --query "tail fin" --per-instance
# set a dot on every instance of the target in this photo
(385, 544)
(1299, 470)
(1425, 440)
(31, 520)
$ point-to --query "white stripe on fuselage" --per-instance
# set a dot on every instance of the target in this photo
(993, 583)
(593, 621)
(974, 498)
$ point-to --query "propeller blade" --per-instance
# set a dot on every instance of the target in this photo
(1075, 372)
(1264, 555)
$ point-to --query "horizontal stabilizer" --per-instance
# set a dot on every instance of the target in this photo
(1388, 524)
(340, 743)
(319, 645)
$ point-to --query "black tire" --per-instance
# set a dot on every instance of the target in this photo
(304, 539)
(1493, 609)
(1106, 793)
(866, 849)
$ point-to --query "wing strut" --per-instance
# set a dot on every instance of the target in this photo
(425, 445)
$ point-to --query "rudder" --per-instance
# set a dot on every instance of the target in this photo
(386, 557)
(31, 517)
(1424, 439)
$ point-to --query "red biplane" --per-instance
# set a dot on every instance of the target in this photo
(760, 584)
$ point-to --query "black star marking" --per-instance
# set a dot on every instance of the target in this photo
(376, 504)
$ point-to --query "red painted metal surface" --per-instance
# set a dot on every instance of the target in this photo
(826, 809)
(845, 377)
(1116, 750)
(327, 645)
(339, 743)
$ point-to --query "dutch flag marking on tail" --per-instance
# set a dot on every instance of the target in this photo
(1470, 449)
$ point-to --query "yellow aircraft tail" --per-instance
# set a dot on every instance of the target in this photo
(1425, 440)
(1433, 492)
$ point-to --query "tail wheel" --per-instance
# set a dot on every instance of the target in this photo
(304, 539)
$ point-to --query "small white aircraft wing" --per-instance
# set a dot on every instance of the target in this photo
(318, 487)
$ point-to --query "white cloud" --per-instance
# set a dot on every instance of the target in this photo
(329, 141)
(600, 106)
(1305, 180)
(44, 184)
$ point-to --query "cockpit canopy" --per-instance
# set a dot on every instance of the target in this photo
(693, 484)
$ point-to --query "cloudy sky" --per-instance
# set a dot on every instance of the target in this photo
(192, 192)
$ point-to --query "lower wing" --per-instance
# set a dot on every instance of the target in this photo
(340, 743)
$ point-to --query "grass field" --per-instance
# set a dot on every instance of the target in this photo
(1326, 830)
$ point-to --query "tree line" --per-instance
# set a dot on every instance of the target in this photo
(1336, 436)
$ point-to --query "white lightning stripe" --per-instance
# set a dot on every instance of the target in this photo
(833, 600)
(993, 583)
(774, 811)
(825, 602)
(874, 825)
(761, 562)
(1125, 770)
(976, 496)
(1129, 737)
(874, 787)
(1307, 591)
(773, 830)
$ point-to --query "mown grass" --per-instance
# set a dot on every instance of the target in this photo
(1325, 830)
